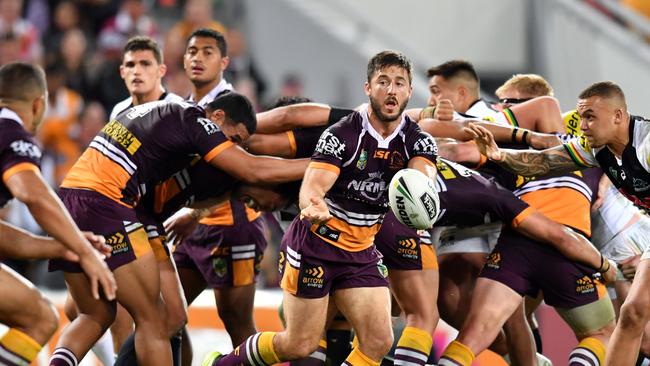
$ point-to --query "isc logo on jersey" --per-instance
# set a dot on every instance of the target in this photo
(413, 199)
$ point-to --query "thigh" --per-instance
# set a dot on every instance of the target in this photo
(416, 292)
(366, 308)
(192, 283)
(18, 292)
(305, 318)
(235, 299)
(170, 286)
(138, 285)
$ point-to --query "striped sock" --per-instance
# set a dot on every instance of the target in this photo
(589, 352)
(413, 347)
(63, 357)
(315, 359)
(17, 348)
(357, 358)
(456, 354)
(257, 350)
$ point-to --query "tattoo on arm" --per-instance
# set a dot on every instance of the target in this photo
(531, 163)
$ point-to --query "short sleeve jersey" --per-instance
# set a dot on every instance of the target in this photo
(18, 151)
(145, 146)
(365, 163)
(631, 173)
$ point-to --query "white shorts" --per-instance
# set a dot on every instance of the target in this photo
(476, 239)
(632, 241)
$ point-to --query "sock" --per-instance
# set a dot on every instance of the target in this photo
(538, 340)
(63, 357)
(642, 360)
(176, 342)
(338, 345)
(357, 358)
(315, 359)
(590, 351)
(126, 355)
(103, 349)
(257, 350)
(456, 354)
(413, 347)
(17, 348)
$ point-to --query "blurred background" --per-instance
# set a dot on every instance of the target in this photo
(317, 49)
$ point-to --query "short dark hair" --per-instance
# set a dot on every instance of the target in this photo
(211, 33)
(21, 81)
(237, 108)
(607, 89)
(389, 58)
(143, 43)
(289, 100)
(454, 68)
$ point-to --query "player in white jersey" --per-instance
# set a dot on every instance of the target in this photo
(619, 143)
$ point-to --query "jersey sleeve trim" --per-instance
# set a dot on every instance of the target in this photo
(521, 217)
(217, 150)
(510, 117)
(575, 155)
(20, 167)
(292, 143)
(326, 166)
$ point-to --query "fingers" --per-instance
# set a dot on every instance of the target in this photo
(110, 286)
(94, 287)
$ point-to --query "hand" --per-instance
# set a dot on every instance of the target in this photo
(541, 141)
(98, 242)
(317, 211)
(180, 225)
(628, 266)
(444, 110)
(485, 142)
(610, 275)
(98, 275)
(603, 186)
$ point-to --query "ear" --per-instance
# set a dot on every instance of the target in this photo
(366, 88)
(122, 72)
(618, 116)
(162, 70)
(225, 61)
(218, 116)
(462, 91)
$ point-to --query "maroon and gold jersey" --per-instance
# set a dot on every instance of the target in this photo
(18, 150)
(144, 146)
(365, 163)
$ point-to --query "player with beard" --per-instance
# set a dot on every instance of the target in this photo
(330, 250)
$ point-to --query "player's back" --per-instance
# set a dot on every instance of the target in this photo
(143, 146)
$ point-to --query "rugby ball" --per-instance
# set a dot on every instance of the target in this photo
(414, 199)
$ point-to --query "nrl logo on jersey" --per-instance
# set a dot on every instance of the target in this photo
(26, 148)
(371, 188)
(328, 144)
(209, 126)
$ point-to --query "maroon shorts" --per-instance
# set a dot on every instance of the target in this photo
(403, 248)
(226, 256)
(92, 211)
(313, 268)
(528, 266)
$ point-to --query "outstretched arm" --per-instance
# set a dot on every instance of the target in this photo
(317, 182)
(293, 116)
(527, 163)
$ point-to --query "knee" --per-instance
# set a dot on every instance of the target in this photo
(377, 344)
(634, 314)
(299, 347)
(233, 316)
(47, 320)
(176, 320)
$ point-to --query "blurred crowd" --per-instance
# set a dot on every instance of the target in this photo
(79, 43)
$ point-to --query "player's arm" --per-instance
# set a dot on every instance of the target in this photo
(29, 187)
(276, 144)
(20, 244)
(258, 169)
(423, 165)
(526, 163)
(293, 116)
(319, 179)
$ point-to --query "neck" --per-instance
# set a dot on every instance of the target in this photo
(201, 90)
(620, 139)
(22, 111)
(384, 128)
(153, 96)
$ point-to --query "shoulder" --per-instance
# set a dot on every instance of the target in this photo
(120, 107)
(17, 140)
(171, 97)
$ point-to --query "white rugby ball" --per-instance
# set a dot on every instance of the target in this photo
(414, 199)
